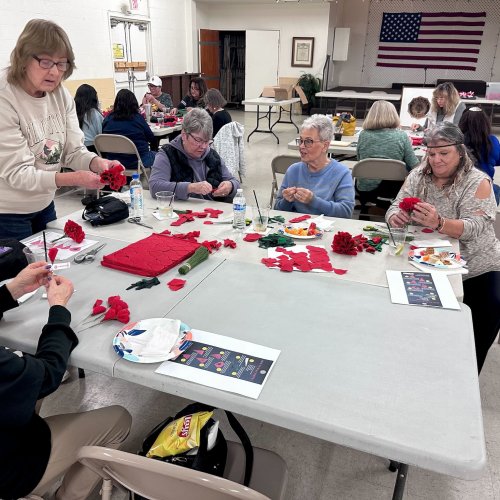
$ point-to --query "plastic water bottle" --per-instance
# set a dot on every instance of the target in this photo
(136, 197)
(239, 209)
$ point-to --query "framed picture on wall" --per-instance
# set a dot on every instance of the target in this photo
(302, 52)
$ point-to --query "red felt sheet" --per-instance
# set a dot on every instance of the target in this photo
(151, 256)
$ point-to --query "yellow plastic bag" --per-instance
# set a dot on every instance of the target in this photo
(180, 435)
(346, 122)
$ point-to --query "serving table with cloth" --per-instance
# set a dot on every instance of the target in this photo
(391, 380)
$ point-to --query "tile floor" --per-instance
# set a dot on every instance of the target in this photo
(318, 470)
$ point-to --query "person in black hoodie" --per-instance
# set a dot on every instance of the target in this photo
(34, 451)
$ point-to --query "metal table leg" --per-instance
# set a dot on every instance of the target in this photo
(269, 128)
(279, 120)
(399, 486)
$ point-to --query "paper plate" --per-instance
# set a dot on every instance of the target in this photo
(124, 349)
(299, 237)
(454, 261)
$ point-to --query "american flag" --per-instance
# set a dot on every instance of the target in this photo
(441, 40)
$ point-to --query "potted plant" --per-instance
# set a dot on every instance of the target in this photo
(311, 85)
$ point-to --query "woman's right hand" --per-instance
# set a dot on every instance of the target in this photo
(202, 188)
(59, 290)
(289, 194)
(399, 219)
(89, 180)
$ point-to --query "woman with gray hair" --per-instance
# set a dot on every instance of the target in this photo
(317, 184)
(457, 200)
(190, 167)
(39, 131)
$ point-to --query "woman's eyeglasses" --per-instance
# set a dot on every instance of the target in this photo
(49, 64)
(201, 141)
(307, 142)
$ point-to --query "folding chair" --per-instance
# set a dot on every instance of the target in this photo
(113, 143)
(157, 480)
(380, 169)
(279, 165)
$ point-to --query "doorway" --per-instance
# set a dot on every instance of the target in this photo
(130, 43)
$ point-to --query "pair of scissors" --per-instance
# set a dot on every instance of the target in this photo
(137, 220)
(88, 256)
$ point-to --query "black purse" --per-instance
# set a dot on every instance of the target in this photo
(105, 210)
(211, 461)
(11, 261)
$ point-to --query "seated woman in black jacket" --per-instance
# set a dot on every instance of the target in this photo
(36, 451)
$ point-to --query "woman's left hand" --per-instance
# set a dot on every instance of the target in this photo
(304, 195)
(224, 189)
(98, 165)
(425, 214)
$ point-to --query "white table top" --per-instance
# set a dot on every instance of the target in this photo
(351, 94)
(163, 131)
(364, 268)
(396, 381)
(270, 101)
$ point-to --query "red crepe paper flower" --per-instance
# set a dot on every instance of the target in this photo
(408, 204)
(183, 218)
(114, 177)
(52, 253)
(99, 309)
(344, 243)
(229, 243)
(110, 314)
(74, 231)
(176, 284)
(427, 230)
(98, 302)
(113, 299)
(123, 315)
(252, 237)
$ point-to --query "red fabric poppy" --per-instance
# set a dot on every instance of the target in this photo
(74, 231)
(52, 253)
(110, 314)
(113, 299)
(123, 315)
(114, 177)
(229, 243)
(176, 284)
(98, 310)
(408, 204)
(98, 302)
(344, 243)
(211, 245)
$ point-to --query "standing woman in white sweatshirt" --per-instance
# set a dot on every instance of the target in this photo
(39, 131)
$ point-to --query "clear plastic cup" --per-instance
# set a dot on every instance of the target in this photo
(397, 239)
(165, 201)
(260, 219)
(34, 254)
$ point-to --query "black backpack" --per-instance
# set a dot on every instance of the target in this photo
(210, 461)
(105, 210)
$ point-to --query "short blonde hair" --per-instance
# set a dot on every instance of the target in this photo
(382, 114)
(39, 36)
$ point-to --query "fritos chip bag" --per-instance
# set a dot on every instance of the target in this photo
(180, 435)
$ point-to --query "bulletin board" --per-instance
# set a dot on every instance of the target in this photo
(408, 94)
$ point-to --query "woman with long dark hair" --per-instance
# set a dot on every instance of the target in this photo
(126, 120)
(485, 146)
(89, 116)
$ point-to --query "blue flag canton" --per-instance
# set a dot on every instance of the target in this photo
(400, 27)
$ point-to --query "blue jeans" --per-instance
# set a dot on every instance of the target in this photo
(21, 226)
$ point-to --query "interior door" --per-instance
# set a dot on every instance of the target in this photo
(210, 57)
(261, 62)
(130, 55)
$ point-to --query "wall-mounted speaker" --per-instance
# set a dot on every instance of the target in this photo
(341, 44)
